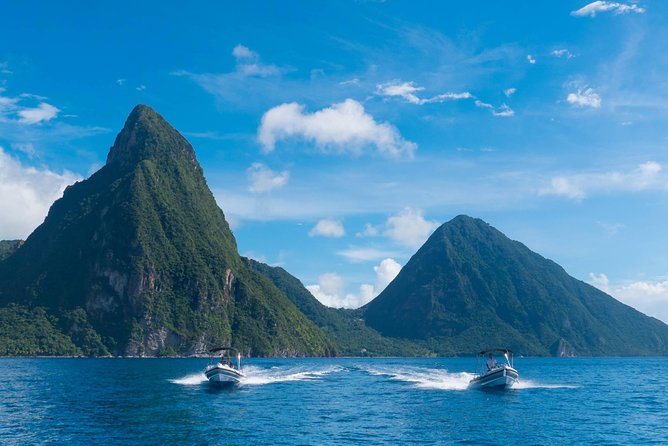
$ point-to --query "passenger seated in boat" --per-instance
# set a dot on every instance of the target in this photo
(491, 362)
(230, 364)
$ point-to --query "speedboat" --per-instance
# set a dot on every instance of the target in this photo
(493, 375)
(221, 371)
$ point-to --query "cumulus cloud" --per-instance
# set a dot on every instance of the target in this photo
(407, 90)
(578, 186)
(594, 8)
(343, 127)
(531, 59)
(409, 228)
(262, 179)
(649, 297)
(42, 113)
(248, 63)
(584, 98)
(26, 193)
(386, 271)
(331, 288)
(328, 228)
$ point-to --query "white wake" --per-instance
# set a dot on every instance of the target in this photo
(257, 376)
(439, 379)
(530, 384)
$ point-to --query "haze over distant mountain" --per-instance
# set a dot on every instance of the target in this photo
(138, 259)
(470, 287)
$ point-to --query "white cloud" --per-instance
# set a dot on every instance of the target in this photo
(328, 228)
(330, 289)
(357, 255)
(531, 59)
(594, 8)
(562, 52)
(26, 193)
(584, 98)
(503, 111)
(343, 127)
(262, 179)
(576, 187)
(368, 231)
(26, 148)
(120, 82)
(407, 90)
(141, 88)
(385, 273)
(611, 228)
(509, 91)
(409, 228)
(649, 297)
(248, 63)
(564, 187)
(42, 113)
(481, 104)
(4, 68)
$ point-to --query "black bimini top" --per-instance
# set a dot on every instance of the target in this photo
(222, 349)
(497, 349)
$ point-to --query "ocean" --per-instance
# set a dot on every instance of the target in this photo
(332, 401)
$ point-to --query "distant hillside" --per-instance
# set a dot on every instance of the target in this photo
(345, 327)
(139, 260)
(469, 287)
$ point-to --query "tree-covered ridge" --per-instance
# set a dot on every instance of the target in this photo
(144, 249)
(346, 328)
(469, 286)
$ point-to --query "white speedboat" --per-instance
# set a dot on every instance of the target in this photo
(221, 371)
(494, 375)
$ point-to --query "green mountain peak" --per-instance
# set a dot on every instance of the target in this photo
(141, 255)
(147, 135)
(469, 286)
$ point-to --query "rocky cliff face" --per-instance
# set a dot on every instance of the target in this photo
(143, 248)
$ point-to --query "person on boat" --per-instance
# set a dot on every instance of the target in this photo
(230, 364)
(491, 362)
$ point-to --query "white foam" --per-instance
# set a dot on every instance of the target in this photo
(256, 376)
(529, 384)
(439, 379)
(194, 379)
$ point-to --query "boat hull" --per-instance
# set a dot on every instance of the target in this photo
(500, 378)
(222, 374)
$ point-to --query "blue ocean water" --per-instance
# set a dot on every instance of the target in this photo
(320, 401)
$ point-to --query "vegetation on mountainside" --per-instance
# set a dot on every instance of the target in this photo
(345, 327)
(469, 287)
(143, 247)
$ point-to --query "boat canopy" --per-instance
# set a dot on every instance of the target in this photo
(497, 349)
(223, 349)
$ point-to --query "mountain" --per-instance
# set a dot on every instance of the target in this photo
(344, 326)
(138, 259)
(7, 247)
(469, 287)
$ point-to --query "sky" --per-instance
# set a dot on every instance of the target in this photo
(338, 135)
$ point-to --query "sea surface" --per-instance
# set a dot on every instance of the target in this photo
(610, 401)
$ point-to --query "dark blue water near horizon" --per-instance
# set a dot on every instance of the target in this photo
(318, 401)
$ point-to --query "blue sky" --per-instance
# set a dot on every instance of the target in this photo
(337, 135)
